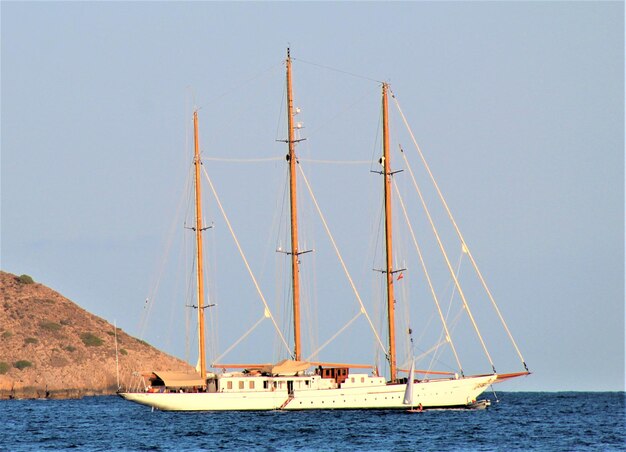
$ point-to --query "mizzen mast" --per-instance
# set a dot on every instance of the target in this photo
(295, 263)
(198, 229)
(387, 173)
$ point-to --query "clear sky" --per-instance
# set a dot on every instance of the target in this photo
(518, 106)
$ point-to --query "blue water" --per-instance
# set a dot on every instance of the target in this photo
(519, 421)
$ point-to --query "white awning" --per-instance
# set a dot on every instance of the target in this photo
(287, 367)
(179, 379)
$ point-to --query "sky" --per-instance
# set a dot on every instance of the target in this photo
(517, 106)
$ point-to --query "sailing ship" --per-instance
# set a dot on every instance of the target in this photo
(296, 384)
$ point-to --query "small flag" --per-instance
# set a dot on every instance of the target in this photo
(400, 276)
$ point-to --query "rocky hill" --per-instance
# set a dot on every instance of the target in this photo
(52, 348)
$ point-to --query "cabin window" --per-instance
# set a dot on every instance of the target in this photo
(241, 385)
(229, 385)
(362, 379)
(251, 385)
(265, 384)
(352, 379)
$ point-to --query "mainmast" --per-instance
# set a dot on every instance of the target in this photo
(200, 275)
(387, 173)
(295, 264)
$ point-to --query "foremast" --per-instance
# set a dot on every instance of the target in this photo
(295, 263)
(387, 173)
(199, 267)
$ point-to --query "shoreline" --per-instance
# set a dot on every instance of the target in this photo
(37, 393)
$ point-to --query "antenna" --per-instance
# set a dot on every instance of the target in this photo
(117, 362)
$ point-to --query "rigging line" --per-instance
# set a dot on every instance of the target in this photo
(458, 231)
(378, 234)
(337, 162)
(447, 260)
(376, 146)
(343, 265)
(420, 339)
(434, 350)
(243, 83)
(452, 294)
(279, 236)
(408, 336)
(427, 275)
(438, 345)
(243, 256)
(280, 113)
(333, 119)
(187, 286)
(213, 286)
(287, 305)
(337, 70)
(269, 249)
(453, 291)
(333, 337)
(237, 160)
(310, 307)
(145, 319)
(238, 341)
(280, 298)
(379, 308)
(454, 321)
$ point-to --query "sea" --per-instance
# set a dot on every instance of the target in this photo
(567, 421)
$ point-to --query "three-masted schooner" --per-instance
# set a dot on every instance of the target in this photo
(295, 384)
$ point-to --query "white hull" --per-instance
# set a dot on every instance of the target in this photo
(446, 393)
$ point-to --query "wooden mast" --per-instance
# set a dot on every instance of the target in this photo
(198, 228)
(388, 247)
(295, 264)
